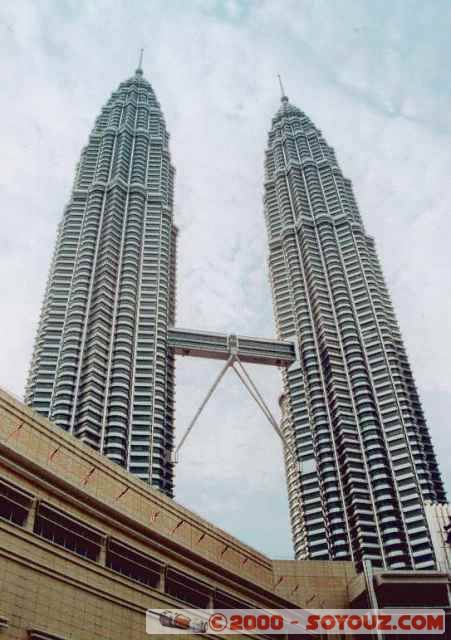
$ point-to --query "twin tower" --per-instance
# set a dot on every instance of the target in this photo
(359, 459)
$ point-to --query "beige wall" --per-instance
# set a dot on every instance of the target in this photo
(47, 587)
(314, 584)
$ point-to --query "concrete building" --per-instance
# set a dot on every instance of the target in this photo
(101, 367)
(352, 411)
(86, 548)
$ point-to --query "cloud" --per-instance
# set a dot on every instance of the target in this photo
(371, 76)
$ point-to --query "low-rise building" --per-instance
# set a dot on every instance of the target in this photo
(86, 548)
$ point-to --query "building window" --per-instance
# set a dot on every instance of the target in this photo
(222, 600)
(133, 564)
(15, 503)
(66, 531)
(187, 589)
(37, 634)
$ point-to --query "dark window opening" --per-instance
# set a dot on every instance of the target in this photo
(132, 564)
(186, 589)
(15, 504)
(68, 532)
(224, 601)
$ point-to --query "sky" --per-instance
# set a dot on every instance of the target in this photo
(373, 76)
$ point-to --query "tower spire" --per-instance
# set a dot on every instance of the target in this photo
(139, 70)
(283, 95)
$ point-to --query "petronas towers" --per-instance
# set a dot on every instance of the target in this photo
(359, 459)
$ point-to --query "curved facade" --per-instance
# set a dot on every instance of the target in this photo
(101, 367)
(350, 406)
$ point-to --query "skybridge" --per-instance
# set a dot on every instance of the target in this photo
(219, 346)
(235, 351)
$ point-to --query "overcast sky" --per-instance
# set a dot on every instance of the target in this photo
(373, 76)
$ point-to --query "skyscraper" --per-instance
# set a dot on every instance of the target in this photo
(101, 367)
(351, 408)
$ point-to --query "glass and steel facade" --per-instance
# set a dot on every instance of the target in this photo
(365, 464)
(101, 367)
